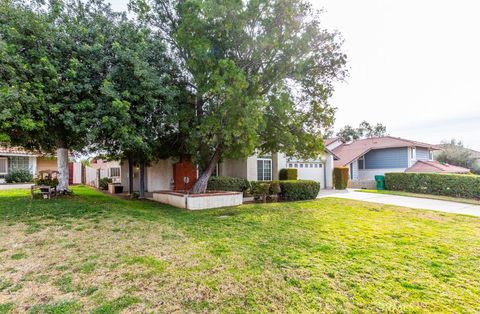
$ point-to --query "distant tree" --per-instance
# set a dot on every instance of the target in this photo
(52, 67)
(348, 133)
(454, 152)
(260, 72)
(364, 130)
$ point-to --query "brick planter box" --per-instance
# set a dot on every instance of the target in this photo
(199, 201)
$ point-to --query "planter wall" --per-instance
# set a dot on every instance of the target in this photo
(199, 201)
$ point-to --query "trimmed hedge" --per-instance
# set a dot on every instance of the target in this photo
(19, 176)
(228, 184)
(340, 178)
(298, 190)
(288, 174)
(466, 186)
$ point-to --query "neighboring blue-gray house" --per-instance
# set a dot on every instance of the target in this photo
(376, 156)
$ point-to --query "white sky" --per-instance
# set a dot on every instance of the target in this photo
(414, 66)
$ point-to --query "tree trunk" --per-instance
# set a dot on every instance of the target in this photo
(62, 165)
(201, 185)
(142, 180)
(130, 176)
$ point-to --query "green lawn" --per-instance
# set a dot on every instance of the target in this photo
(94, 253)
(428, 196)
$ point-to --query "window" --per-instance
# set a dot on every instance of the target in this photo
(320, 165)
(301, 165)
(361, 162)
(290, 165)
(414, 153)
(296, 165)
(115, 172)
(351, 171)
(18, 163)
(264, 169)
(3, 165)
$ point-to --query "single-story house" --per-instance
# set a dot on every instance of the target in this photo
(12, 158)
(366, 158)
(163, 175)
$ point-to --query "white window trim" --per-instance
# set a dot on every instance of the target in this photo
(110, 172)
(6, 165)
(271, 169)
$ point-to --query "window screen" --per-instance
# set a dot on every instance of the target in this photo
(264, 169)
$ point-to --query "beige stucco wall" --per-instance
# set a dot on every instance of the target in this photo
(160, 175)
(124, 176)
(44, 163)
(157, 177)
(233, 168)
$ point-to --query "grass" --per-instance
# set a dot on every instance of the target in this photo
(428, 196)
(93, 253)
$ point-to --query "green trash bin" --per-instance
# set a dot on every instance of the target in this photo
(380, 180)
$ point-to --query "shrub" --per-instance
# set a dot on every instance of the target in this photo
(466, 186)
(228, 184)
(47, 181)
(298, 190)
(340, 178)
(260, 190)
(275, 188)
(288, 174)
(19, 176)
(103, 183)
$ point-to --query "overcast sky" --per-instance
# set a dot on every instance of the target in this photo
(414, 66)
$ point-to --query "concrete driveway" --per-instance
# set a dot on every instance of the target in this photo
(411, 202)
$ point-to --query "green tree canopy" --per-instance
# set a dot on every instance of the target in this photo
(136, 116)
(54, 59)
(261, 73)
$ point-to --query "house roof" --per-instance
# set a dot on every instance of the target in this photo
(329, 141)
(348, 152)
(435, 166)
(16, 151)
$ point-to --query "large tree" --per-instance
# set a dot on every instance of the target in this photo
(54, 59)
(261, 72)
(137, 116)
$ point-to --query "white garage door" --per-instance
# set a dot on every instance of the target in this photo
(309, 171)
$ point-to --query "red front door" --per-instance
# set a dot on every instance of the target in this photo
(184, 175)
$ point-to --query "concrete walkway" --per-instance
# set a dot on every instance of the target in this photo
(5, 186)
(411, 202)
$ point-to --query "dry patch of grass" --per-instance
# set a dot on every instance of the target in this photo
(94, 253)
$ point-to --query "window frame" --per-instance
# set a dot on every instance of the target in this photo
(361, 161)
(6, 165)
(115, 168)
(263, 177)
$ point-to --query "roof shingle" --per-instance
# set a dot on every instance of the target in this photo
(348, 152)
(435, 166)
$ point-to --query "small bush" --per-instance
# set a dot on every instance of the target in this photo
(260, 190)
(103, 183)
(19, 176)
(466, 186)
(298, 190)
(47, 181)
(228, 184)
(288, 174)
(340, 178)
(275, 188)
